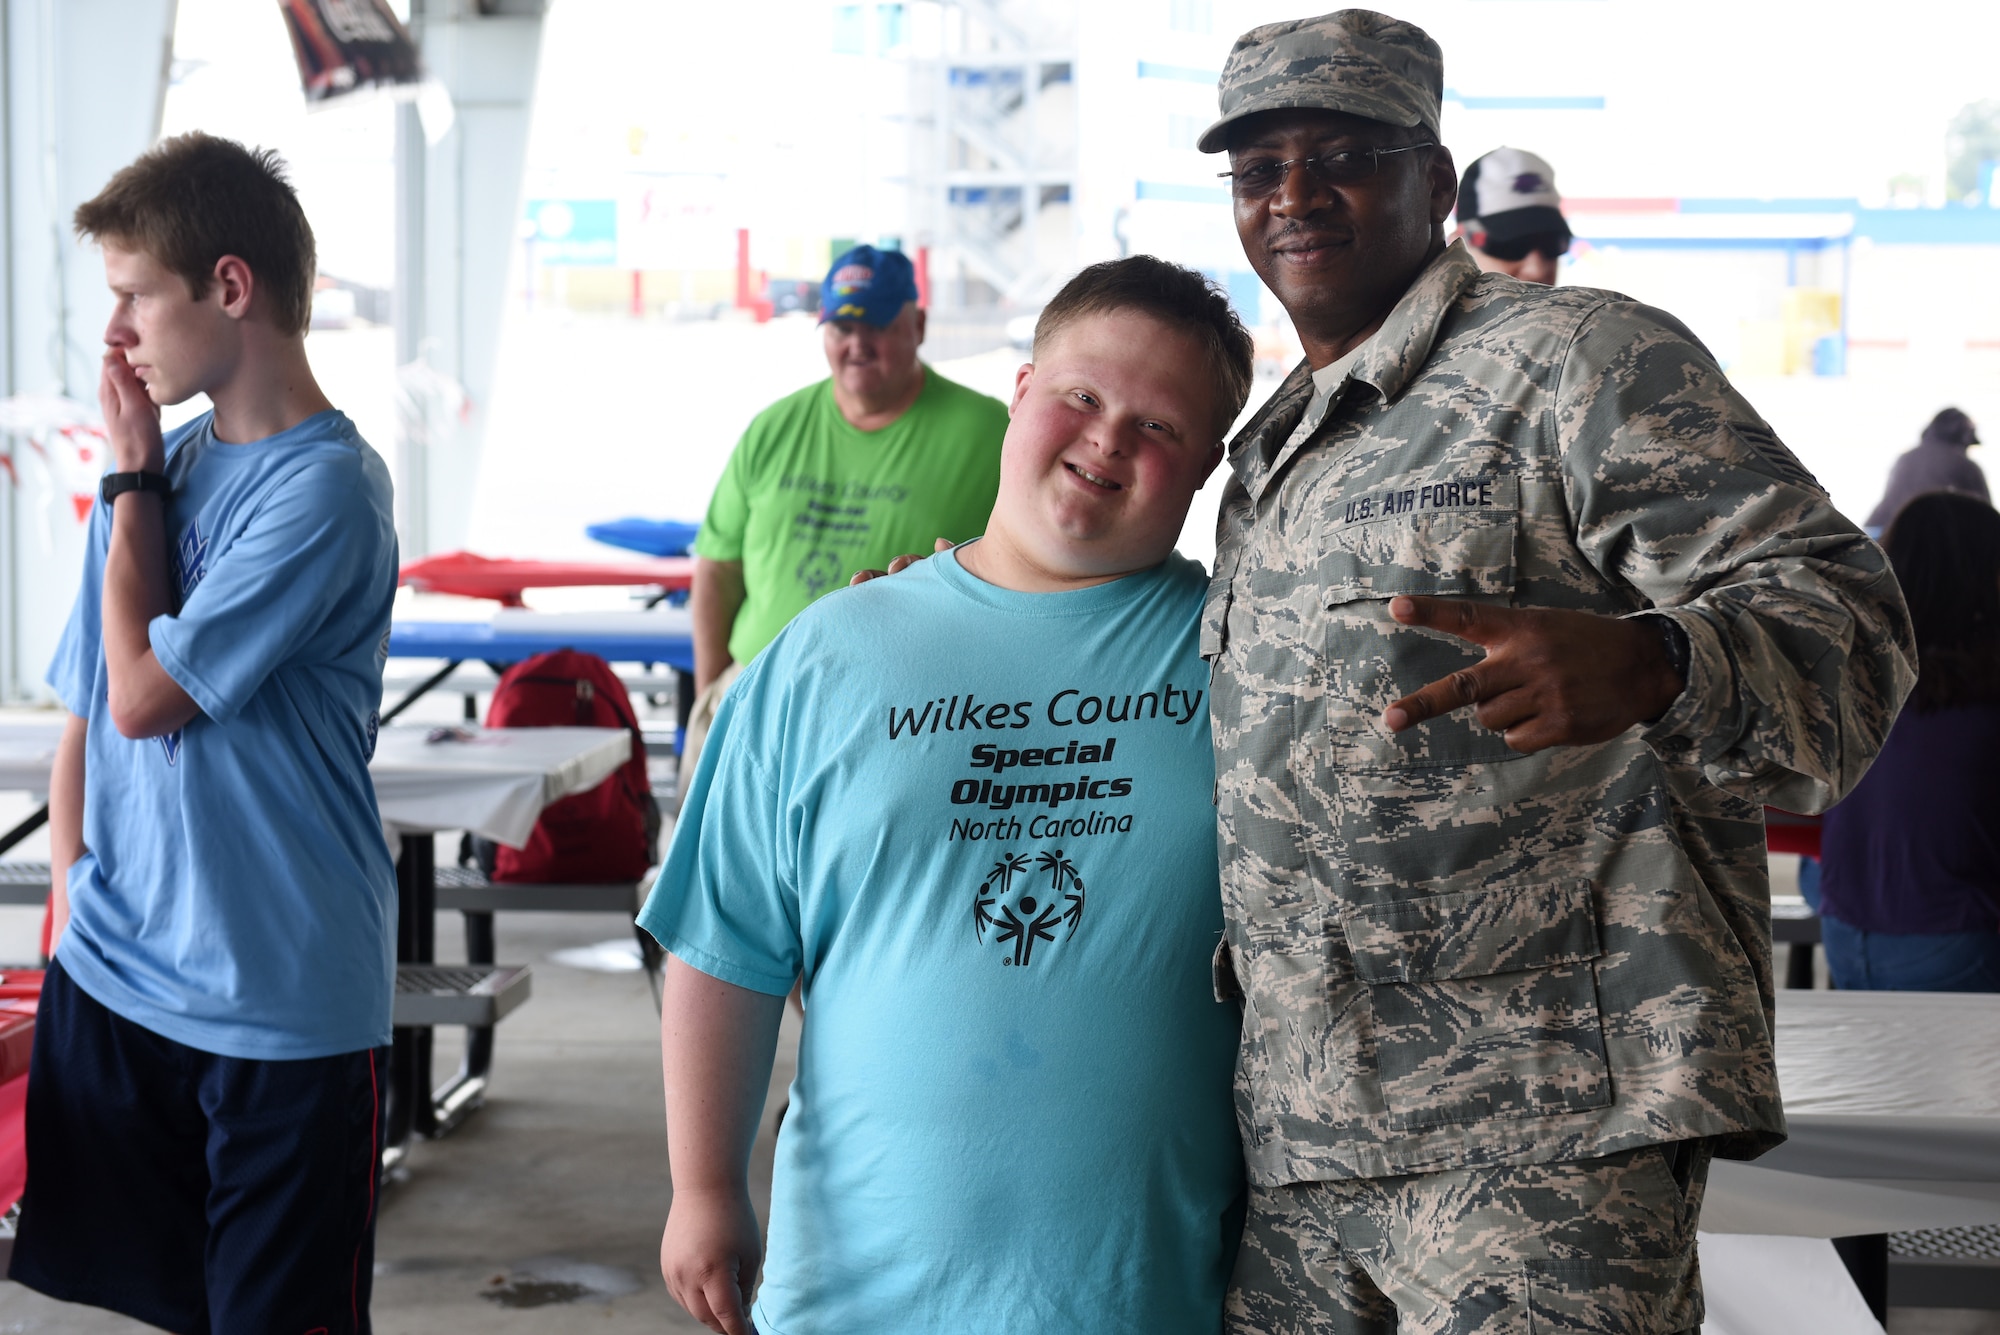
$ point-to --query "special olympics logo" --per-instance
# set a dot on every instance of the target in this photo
(817, 571)
(1018, 924)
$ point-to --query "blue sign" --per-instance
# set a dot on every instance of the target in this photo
(573, 231)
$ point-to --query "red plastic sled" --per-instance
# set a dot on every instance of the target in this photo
(472, 576)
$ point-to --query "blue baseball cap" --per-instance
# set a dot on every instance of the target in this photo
(868, 285)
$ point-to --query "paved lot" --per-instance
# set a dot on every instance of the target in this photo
(543, 1212)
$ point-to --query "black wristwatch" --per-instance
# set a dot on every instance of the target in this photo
(117, 484)
(1675, 641)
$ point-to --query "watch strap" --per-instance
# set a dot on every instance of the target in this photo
(115, 485)
(1675, 641)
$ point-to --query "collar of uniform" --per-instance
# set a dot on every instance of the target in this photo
(1388, 360)
(1398, 350)
(1255, 453)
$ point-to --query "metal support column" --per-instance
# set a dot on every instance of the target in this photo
(458, 201)
(82, 84)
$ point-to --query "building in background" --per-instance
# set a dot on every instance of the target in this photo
(993, 150)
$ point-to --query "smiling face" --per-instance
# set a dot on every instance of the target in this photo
(178, 344)
(869, 362)
(1114, 428)
(1339, 257)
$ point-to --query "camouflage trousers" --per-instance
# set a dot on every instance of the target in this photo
(1590, 1247)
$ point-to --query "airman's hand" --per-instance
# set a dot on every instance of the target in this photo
(900, 564)
(1550, 677)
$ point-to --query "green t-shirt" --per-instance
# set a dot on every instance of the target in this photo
(806, 499)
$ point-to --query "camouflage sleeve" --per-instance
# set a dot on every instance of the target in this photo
(1802, 650)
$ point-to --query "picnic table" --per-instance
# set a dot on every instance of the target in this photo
(663, 635)
(1892, 1100)
(494, 783)
(27, 754)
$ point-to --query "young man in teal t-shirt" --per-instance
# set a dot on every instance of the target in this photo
(969, 808)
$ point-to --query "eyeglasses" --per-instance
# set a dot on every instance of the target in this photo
(1550, 245)
(1258, 179)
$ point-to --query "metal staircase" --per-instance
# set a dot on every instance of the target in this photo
(992, 149)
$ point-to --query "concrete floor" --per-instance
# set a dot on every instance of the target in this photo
(543, 1212)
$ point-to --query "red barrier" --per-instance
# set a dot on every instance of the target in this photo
(471, 576)
(1788, 832)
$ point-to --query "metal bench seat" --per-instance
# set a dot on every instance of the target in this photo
(24, 883)
(468, 890)
(478, 995)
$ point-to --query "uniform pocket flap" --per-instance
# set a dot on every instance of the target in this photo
(1474, 933)
(1444, 552)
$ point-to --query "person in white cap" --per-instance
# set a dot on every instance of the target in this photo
(1510, 216)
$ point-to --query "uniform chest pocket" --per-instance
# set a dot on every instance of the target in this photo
(1485, 1003)
(1446, 554)
(1372, 660)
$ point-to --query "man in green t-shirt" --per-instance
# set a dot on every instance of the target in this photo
(883, 457)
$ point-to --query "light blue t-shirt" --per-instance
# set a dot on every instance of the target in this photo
(978, 823)
(238, 896)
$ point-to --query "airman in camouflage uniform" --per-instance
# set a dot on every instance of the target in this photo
(1506, 969)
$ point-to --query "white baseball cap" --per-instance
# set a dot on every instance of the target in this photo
(1511, 193)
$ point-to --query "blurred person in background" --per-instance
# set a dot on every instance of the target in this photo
(882, 457)
(1510, 216)
(1937, 463)
(1910, 886)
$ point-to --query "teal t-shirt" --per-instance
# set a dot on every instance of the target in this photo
(806, 499)
(978, 824)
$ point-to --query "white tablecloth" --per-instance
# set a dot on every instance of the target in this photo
(1779, 1286)
(1750, 1198)
(1890, 1055)
(495, 784)
(1890, 1086)
(27, 752)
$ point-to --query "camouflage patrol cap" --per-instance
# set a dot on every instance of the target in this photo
(1352, 60)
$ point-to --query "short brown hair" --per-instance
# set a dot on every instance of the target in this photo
(194, 198)
(1177, 297)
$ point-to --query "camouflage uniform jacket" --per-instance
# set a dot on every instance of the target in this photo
(1452, 954)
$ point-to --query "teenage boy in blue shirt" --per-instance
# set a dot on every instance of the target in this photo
(204, 1099)
(969, 806)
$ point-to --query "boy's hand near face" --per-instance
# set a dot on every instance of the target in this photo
(131, 418)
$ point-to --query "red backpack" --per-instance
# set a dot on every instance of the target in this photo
(610, 833)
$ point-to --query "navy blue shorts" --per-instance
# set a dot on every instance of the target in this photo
(195, 1192)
